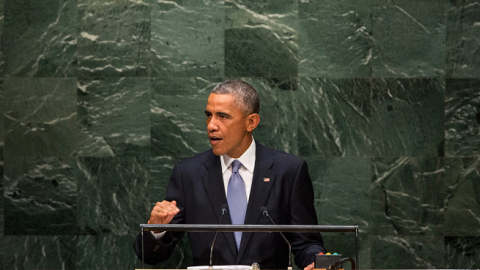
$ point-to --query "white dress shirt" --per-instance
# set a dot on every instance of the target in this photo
(246, 171)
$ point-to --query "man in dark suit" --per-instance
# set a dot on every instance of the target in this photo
(246, 175)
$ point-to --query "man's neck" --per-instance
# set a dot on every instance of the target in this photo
(247, 158)
(246, 144)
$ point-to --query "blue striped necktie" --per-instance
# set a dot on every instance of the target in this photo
(237, 199)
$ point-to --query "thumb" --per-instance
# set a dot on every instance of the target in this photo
(174, 202)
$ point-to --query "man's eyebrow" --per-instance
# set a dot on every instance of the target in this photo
(223, 114)
(218, 113)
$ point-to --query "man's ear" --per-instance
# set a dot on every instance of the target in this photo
(253, 121)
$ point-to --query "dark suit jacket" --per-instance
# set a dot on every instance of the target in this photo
(197, 186)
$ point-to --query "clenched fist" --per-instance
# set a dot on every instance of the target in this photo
(163, 212)
(309, 267)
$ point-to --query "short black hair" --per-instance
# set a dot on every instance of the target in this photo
(246, 97)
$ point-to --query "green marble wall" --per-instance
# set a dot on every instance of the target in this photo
(100, 98)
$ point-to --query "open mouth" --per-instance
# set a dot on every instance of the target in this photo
(214, 140)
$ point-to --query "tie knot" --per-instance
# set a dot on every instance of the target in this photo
(236, 165)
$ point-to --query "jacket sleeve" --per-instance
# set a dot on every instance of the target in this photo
(304, 245)
(156, 251)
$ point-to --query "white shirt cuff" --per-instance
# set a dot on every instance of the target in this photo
(158, 236)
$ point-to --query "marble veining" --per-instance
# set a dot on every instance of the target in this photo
(115, 116)
(335, 39)
(45, 46)
(340, 123)
(265, 34)
(462, 252)
(40, 196)
(99, 99)
(462, 117)
(405, 42)
(462, 216)
(187, 38)
(463, 29)
(413, 206)
(114, 38)
(408, 117)
(37, 112)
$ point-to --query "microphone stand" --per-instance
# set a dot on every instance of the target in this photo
(265, 213)
(224, 210)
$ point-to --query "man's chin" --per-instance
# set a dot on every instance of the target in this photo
(217, 151)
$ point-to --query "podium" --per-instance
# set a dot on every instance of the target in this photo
(249, 228)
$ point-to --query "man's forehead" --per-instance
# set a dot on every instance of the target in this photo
(220, 100)
(225, 103)
(221, 97)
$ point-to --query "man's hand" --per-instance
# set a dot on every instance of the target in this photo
(309, 267)
(163, 212)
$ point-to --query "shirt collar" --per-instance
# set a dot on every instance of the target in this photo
(247, 158)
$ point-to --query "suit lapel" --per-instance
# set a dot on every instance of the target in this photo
(258, 194)
(213, 183)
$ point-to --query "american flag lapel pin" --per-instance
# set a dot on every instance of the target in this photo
(266, 179)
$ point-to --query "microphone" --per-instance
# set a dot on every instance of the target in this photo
(224, 210)
(265, 213)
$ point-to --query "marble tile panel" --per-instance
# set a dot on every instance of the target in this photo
(178, 116)
(340, 183)
(342, 197)
(278, 112)
(2, 127)
(40, 38)
(114, 38)
(40, 196)
(187, 38)
(160, 171)
(106, 252)
(408, 196)
(462, 213)
(2, 23)
(261, 38)
(2, 230)
(462, 252)
(113, 195)
(116, 252)
(335, 117)
(335, 39)
(115, 116)
(408, 38)
(40, 252)
(462, 117)
(408, 117)
(38, 112)
(408, 252)
(2, 219)
(463, 21)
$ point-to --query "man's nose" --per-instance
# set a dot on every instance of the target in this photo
(212, 124)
